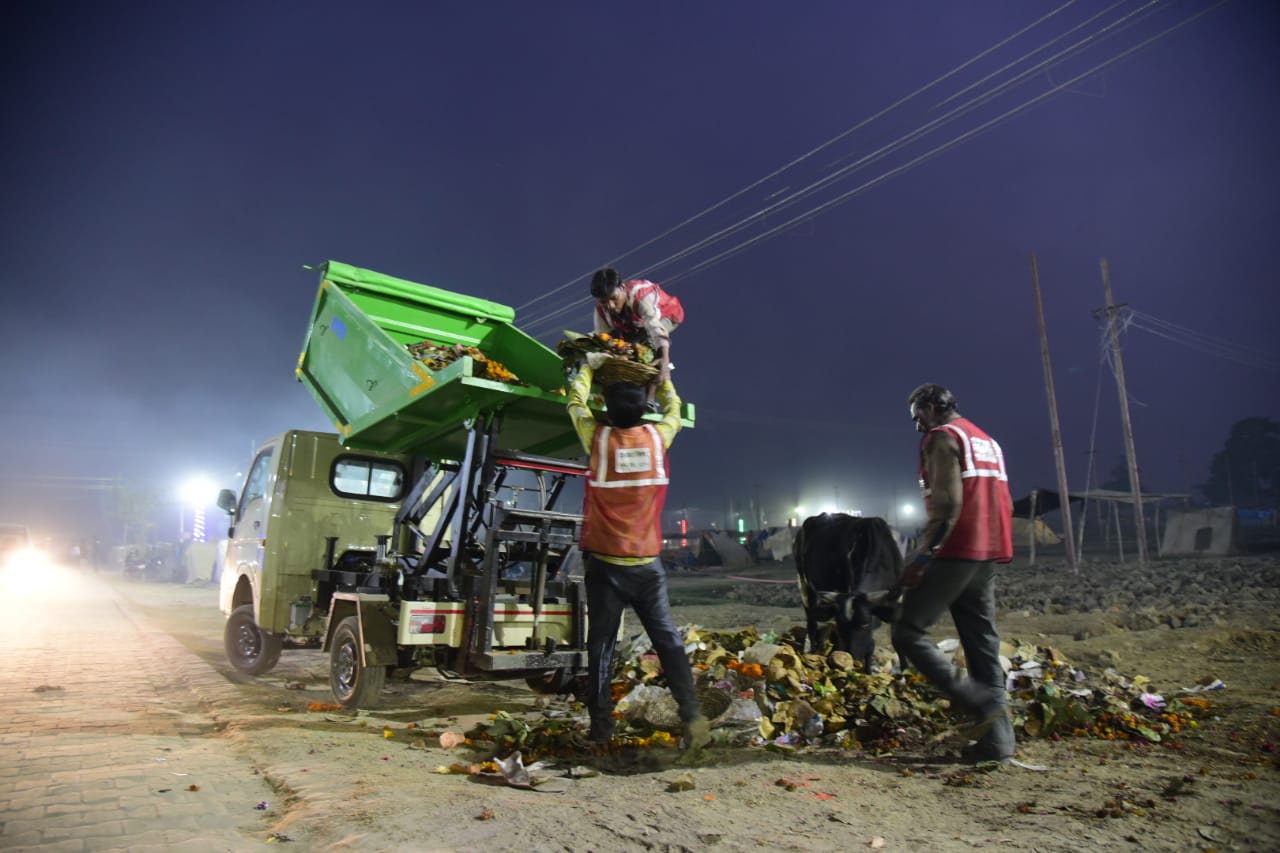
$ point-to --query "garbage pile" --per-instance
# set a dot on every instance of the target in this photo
(760, 691)
(439, 356)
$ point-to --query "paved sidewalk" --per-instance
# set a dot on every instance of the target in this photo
(105, 740)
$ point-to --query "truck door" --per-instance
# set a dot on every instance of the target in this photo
(249, 524)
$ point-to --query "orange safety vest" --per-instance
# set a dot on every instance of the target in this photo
(628, 321)
(984, 530)
(625, 491)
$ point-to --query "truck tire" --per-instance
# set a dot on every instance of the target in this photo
(249, 648)
(354, 685)
(552, 681)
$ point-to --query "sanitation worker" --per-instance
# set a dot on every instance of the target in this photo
(626, 488)
(640, 311)
(968, 531)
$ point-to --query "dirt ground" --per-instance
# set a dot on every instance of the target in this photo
(372, 781)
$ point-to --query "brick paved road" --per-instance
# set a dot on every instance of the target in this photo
(105, 740)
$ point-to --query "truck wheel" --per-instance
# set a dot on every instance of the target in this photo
(354, 685)
(249, 648)
(552, 681)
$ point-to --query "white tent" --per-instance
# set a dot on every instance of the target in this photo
(717, 548)
(778, 544)
(1214, 530)
(1024, 529)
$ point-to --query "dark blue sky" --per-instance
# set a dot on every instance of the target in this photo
(170, 167)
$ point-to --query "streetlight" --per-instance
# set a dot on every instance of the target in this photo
(196, 492)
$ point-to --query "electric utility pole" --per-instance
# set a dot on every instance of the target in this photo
(1129, 453)
(1064, 496)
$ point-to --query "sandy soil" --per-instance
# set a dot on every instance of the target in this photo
(371, 782)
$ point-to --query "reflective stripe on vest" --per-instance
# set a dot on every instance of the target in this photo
(987, 452)
(628, 458)
(625, 491)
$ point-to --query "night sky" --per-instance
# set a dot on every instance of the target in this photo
(171, 166)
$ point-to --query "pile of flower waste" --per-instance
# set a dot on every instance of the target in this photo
(760, 691)
(439, 356)
(575, 348)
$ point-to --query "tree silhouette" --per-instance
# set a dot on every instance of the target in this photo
(1246, 472)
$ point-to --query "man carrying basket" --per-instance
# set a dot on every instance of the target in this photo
(625, 492)
(639, 311)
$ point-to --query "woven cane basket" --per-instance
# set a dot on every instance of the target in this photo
(625, 370)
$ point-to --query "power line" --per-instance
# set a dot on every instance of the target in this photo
(883, 151)
(880, 154)
(1103, 33)
(900, 102)
(928, 155)
(1207, 344)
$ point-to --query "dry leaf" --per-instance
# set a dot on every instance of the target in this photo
(448, 740)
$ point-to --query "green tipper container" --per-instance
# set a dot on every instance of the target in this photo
(355, 363)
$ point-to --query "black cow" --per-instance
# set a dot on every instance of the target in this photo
(844, 563)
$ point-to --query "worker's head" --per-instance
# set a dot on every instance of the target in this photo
(606, 287)
(625, 403)
(931, 406)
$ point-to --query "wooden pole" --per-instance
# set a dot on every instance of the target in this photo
(1035, 493)
(1134, 483)
(1115, 510)
(1099, 506)
(1063, 496)
(1159, 539)
(1084, 522)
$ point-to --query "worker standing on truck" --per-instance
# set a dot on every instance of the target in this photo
(626, 488)
(639, 311)
(969, 530)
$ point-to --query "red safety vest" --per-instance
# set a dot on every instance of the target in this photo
(625, 491)
(628, 321)
(984, 530)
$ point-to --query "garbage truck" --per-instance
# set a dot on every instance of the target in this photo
(427, 528)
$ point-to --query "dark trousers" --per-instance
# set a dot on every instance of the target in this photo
(610, 589)
(967, 589)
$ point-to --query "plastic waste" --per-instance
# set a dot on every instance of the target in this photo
(743, 711)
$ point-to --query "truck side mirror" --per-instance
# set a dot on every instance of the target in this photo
(227, 501)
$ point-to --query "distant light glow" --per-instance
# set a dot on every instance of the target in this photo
(28, 558)
(908, 510)
(195, 494)
(198, 492)
(30, 575)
